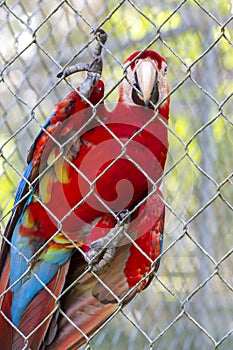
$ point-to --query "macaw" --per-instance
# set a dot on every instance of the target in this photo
(86, 231)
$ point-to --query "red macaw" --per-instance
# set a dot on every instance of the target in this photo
(87, 229)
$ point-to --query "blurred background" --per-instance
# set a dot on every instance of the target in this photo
(190, 303)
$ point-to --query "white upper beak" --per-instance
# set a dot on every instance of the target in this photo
(147, 75)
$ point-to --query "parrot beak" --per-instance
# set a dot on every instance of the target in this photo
(146, 76)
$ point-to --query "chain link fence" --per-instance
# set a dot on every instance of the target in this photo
(189, 305)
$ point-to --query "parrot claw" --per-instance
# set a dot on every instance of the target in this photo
(102, 250)
(94, 69)
(102, 37)
(105, 259)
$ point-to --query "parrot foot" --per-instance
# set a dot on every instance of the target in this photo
(102, 250)
(94, 69)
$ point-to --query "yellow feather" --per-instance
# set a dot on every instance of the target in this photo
(63, 171)
(45, 186)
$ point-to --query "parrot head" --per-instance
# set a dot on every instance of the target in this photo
(146, 80)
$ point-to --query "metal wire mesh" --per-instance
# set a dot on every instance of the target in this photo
(189, 305)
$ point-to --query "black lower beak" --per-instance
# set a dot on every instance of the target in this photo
(154, 97)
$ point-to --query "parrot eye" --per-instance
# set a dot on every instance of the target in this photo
(165, 69)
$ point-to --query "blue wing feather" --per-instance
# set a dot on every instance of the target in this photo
(25, 278)
(22, 184)
(28, 170)
(25, 284)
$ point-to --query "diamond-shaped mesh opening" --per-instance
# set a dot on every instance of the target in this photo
(188, 305)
